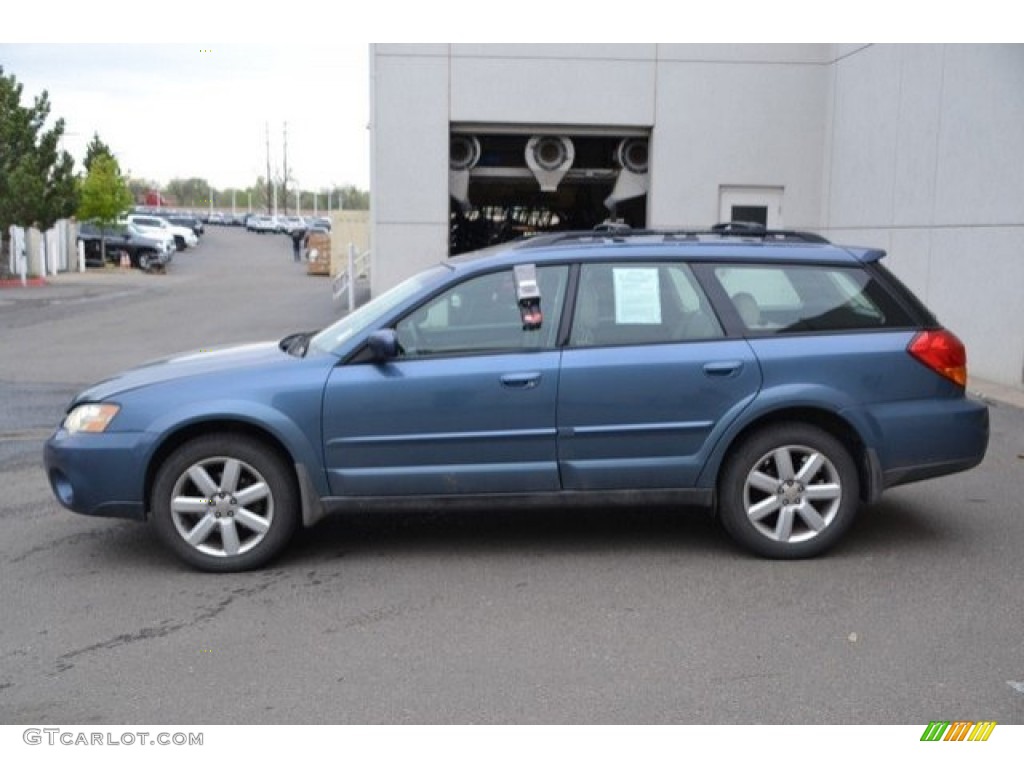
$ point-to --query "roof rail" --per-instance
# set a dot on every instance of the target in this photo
(755, 229)
(621, 233)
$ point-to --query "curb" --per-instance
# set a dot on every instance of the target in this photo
(31, 282)
(996, 393)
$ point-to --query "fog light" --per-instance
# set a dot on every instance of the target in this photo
(62, 487)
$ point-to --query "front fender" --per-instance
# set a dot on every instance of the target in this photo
(300, 440)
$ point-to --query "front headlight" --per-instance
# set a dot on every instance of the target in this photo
(91, 417)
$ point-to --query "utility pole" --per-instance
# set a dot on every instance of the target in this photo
(284, 179)
(270, 180)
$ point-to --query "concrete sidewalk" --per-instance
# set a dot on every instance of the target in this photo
(990, 391)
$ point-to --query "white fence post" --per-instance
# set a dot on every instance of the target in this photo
(351, 276)
(51, 250)
(19, 259)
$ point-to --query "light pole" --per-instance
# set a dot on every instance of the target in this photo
(275, 199)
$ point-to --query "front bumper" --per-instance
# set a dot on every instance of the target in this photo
(102, 475)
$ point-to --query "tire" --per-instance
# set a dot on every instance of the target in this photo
(225, 503)
(788, 491)
(145, 261)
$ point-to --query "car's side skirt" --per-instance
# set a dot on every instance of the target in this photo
(686, 497)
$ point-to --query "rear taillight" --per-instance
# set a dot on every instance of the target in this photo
(943, 352)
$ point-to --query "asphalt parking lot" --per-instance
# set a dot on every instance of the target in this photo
(583, 616)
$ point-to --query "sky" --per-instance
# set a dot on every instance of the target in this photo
(204, 109)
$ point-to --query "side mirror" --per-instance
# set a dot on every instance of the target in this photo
(383, 344)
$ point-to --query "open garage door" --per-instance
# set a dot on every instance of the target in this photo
(506, 183)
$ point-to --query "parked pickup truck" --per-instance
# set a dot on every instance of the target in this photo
(145, 252)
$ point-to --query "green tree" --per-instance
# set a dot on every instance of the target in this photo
(95, 149)
(37, 179)
(352, 198)
(105, 196)
(189, 193)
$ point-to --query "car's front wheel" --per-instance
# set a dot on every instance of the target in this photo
(788, 491)
(225, 503)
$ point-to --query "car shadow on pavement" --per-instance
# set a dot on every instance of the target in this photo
(892, 526)
(535, 530)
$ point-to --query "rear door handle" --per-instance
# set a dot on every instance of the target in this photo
(520, 380)
(723, 368)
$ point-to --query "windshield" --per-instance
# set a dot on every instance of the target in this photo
(331, 337)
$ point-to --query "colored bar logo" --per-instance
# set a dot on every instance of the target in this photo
(958, 730)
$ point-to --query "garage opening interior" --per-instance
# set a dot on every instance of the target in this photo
(508, 185)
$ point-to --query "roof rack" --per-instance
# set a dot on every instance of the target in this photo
(621, 233)
(754, 229)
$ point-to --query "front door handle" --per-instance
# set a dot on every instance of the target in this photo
(723, 368)
(520, 380)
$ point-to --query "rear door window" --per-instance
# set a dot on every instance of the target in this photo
(638, 303)
(789, 298)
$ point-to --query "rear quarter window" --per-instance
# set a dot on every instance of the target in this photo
(788, 298)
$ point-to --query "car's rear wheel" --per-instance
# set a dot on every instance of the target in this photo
(789, 491)
(225, 503)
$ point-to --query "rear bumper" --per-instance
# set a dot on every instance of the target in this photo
(931, 438)
(904, 475)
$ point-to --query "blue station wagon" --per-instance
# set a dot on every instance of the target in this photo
(773, 377)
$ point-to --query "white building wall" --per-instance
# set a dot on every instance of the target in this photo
(924, 159)
(409, 160)
(553, 84)
(746, 116)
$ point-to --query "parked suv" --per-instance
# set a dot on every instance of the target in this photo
(188, 221)
(770, 376)
(183, 237)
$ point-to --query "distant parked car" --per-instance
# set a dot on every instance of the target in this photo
(183, 236)
(261, 223)
(143, 251)
(289, 224)
(186, 220)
